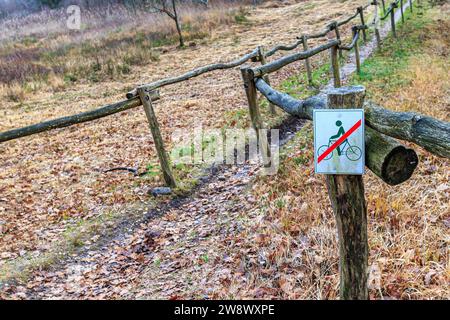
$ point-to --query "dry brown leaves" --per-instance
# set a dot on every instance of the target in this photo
(50, 181)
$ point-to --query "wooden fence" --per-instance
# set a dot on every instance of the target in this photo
(385, 156)
(150, 91)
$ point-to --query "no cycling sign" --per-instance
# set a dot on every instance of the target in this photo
(339, 141)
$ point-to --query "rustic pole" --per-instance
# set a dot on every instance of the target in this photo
(346, 193)
(357, 58)
(335, 66)
(255, 116)
(361, 14)
(307, 62)
(393, 20)
(376, 21)
(334, 26)
(157, 138)
(262, 60)
(401, 10)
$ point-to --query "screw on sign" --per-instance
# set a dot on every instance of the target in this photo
(339, 141)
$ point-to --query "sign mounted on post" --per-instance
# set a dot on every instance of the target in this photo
(339, 141)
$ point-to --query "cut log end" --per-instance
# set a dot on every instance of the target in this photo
(399, 165)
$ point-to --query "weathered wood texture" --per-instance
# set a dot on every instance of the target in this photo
(361, 15)
(334, 26)
(132, 102)
(194, 73)
(335, 70)
(386, 157)
(255, 116)
(280, 63)
(429, 133)
(394, 33)
(157, 138)
(357, 57)
(132, 95)
(346, 194)
(355, 37)
(376, 23)
(282, 47)
(401, 11)
(262, 60)
(74, 119)
(307, 62)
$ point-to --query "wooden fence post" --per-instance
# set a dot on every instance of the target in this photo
(346, 194)
(361, 14)
(157, 138)
(334, 26)
(307, 62)
(393, 20)
(335, 66)
(401, 10)
(376, 21)
(255, 116)
(262, 60)
(357, 57)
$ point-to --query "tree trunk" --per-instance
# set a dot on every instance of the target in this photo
(177, 22)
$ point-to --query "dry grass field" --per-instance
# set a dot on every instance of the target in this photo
(51, 181)
(282, 242)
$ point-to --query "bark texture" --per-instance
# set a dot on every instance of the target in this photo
(346, 194)
(74, 119)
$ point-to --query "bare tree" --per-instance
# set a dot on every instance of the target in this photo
(169, 7)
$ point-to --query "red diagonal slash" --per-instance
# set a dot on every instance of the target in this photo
(339, 141)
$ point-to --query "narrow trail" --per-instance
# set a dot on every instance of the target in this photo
(163, 257)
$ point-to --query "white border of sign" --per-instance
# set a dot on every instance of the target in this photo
(363, 140)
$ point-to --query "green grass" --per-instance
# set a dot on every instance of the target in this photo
(382, 71)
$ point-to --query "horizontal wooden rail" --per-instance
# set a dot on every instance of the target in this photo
(352, 44)
(274, 50)
(387, 13)
(280, 63)
(391, 7)
(194, 73)
(429, 133)
(75, 119)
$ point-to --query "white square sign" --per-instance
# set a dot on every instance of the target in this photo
(338, 141)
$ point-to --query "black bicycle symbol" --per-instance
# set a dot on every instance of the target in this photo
(353, 153)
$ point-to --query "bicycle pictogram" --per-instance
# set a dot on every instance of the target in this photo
(352, 152)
